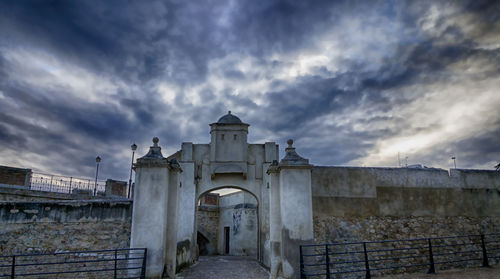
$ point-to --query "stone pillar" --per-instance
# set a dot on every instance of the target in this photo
(295, 208)
(186, 208)
(275, 219)
(173, 197)
(115, 188)
(27, 178)
(154, 176)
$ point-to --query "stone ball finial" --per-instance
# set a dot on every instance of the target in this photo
(228, 112)
(289, 142)
(155, 141)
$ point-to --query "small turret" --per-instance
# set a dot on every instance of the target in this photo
(229, 146)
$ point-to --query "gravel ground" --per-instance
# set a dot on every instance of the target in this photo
(227, 267)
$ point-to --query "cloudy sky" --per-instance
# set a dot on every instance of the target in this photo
(353, 82)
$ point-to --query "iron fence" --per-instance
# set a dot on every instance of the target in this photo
(115, 263)
(66, 184)
(369, 258)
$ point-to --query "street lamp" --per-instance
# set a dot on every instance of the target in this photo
(97, 161)
(454, 161)
(133, 147)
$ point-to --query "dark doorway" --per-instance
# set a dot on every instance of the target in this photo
(226, 238)
(202, 244)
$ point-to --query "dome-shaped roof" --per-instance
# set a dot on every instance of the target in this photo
(229, 119)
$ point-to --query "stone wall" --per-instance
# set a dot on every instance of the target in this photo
(14, 176)
(48, 226)
(349, 228)
(393, 203)
(115, 188)
(12, 193)
(243, 224)
(380, 204)
(238, 212)
(410, 253)
(207, 219)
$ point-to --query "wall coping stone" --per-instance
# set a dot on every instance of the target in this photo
(70, 202)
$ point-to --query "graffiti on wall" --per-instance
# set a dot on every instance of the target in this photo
(236, 221)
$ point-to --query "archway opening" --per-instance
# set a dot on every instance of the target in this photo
(227, 223)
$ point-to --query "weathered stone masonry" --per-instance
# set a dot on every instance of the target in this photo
(14, 176)
(49, 226)
(393, 203)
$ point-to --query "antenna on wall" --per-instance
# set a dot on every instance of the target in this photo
(406, 161)
(399, 160)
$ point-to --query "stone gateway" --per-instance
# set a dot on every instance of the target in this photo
(296, 202)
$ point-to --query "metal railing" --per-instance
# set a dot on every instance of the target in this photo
(369, 258)
(66, 184)
(115, 263)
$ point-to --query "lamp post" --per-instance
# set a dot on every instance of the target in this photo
(133, 147)
(97, 161)
(454, 161)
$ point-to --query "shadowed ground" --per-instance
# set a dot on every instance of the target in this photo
(470, 273)
(227, 267)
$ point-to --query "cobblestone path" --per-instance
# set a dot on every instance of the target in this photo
(225, 267)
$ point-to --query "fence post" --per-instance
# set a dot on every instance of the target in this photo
(485, 253)
(116, 257)
(367, 265)
(302, 275)
(432, 269)
(13, 271)
(327, 259)
(143, 270)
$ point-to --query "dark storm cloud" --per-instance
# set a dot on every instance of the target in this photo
(310, 97)
(281, 25)
(138, 40)
(478, 149)
(384, 55)
(413, 63)
(64, 27)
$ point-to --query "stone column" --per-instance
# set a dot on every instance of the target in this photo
(173, 196)
(275, 219)
(296, 209)
(150, 209)
(27, 178)
(186, 208)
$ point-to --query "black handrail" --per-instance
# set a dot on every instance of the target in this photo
(109, 263)
(370, 258)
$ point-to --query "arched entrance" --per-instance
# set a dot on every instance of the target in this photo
(168, 191)
(227, 223)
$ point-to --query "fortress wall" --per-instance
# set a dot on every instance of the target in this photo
(47, 226)
(13, 193)
(352, 203)
(207, 220)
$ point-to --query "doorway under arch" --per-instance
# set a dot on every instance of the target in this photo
(227, 222)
